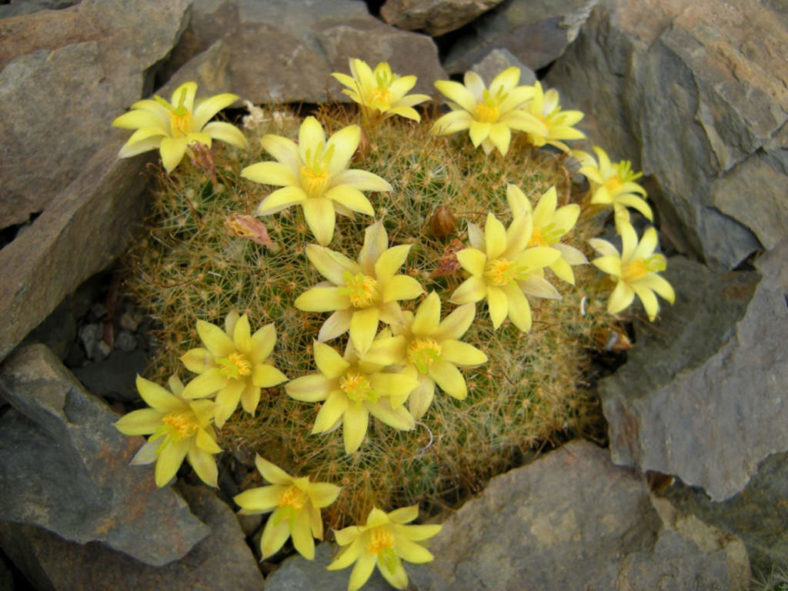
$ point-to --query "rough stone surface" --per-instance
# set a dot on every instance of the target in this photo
(758, 514)
(705, 397)
(499, 60)
(299, 574)
(696, 95)
(114, 376)
(220, 561)
(435, 17)
(285, 51)
(573, 520)
(77, 236)
(66, 74)
(20, 7)
(64, 467)
(535, 31)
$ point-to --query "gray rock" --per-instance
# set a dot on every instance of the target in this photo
(704, 397)
(299, 574)
(20, 7)
(65, 76)
(285, 51)
(64, 467)
(113, 378)
(41, 267)
(758, 514)
(499, 60)
(693, 94)
(435, 17)
(125, 341)
(220, 561)
(573, 520)
(535, 31)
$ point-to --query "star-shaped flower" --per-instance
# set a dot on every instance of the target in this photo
(353, 388)
(179, 429)
(380, 92)
(549, 226)
(432, 347)
(614, 185)
(502, 269)
(384, 540)
(234, 364)
(296, 504)
(491, 114)
(171, 127)
(634, 270)
(359, 293)
(557, 123)
(314, 174)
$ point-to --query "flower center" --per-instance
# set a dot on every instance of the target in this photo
(361, 290)
(487, 112)
(613, 184)
(536, 238)
(380, 98)
(357, 387)
(179, 424)
(500, 272)
(423, 352)
(293, 497)
(234, 366)
(314, 181)
(380, 540)
(180, 123)
(639, 268)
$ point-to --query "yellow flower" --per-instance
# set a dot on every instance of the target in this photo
(503, 269)
(432, 347)
(178, 429)
(635, 270)
(380, 91)
(385, 540)
(171, 127)
(614, 185)
(491, 114)
(296, 504)
(557, 123)
(314, 174)
(234, 364)
(361, 293)
(353, 388)
(549, 226)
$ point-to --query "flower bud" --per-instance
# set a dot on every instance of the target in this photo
(442, 223)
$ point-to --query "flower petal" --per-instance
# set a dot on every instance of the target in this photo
(274, 536)
(362, 180)
(329, 362)
(322, 299)
(330, 264)
(171, 457)
(157, 397)
(336, 324)
(227, 133)
(262, 344)
(270, 173)
(301, 533)
(331, 412)
(309, 388)
(267, 376)
(205, 384)
(457, 323)
(322, 494)
(460, 353)
(345, 142)
(519, 309)
(197, 360)
(621, 297)
(258, 500)
(139, 422)
(449, 379)
(498, 305)
(411, 551)
(396, 418)
(648, 299)
(283, 149)
(363, 327)
(401, 287)
(205, 111)
(660, 285)
(390, 261)
(608, 264)
(457, 93)
(494, 237)
(349, 554)
(361, 571)
(396, 577)
(204, 465)
(227, 401)
(320, 217)
(376, 241)
(172, 151)
(428, 316)
(271, 472)
(351, 198)
(354, 426)
(472, 260)
(421, 398)
(215, 339)
(470, 291)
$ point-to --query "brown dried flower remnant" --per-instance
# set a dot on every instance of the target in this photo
(247, 226)
(442, 223)
(202, 157)
(448, 263)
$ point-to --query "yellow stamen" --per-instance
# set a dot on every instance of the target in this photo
(180, 425)
(536, 238)
(500, 272)
(234, 366)
(357, 387)
(293, 497)
(362, 290)
(380, 539)
(487, 113)
(639, 268)
(180, 123)
(380, 98)
(613, 184)
(313, 181)
(423, 352)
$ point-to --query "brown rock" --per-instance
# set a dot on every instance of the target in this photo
(66, 75)
(696, 95)
(435, 17)
(77, 236)
(220, 561)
